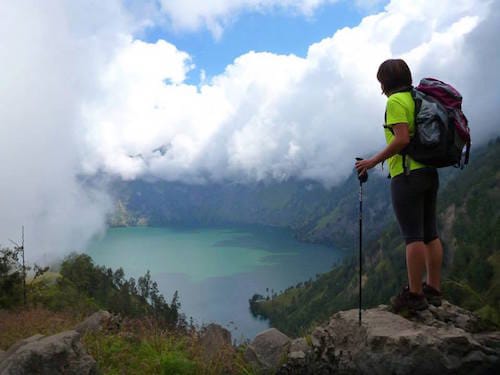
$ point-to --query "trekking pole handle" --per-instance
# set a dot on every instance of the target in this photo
(364, 176)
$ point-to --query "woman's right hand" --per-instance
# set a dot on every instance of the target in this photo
(362, 166)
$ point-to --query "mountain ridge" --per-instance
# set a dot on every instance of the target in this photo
(314, 213)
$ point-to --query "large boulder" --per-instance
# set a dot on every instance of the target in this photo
(58, 354)
(214, 340)
(94, 322)
(268, 350)
(444, 340)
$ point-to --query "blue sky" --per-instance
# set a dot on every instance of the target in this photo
(280, 32)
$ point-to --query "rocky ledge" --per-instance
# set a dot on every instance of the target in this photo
(440, 340)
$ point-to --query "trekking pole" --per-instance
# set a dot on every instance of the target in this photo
(362, 179)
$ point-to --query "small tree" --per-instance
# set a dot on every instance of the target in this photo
(11, 278)
(79, 268)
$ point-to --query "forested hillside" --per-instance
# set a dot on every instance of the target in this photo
(469, 212)
(81, 287)
(139, 333)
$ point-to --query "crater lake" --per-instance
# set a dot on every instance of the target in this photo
(216, 270)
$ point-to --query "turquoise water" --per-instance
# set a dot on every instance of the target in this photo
(215, 269)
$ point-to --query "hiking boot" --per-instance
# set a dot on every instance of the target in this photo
(433, 295)
(409, 301)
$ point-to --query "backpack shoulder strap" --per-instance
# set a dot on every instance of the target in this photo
(403, 153)
(385, 123)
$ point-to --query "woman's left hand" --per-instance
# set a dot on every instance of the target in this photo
(362, 166)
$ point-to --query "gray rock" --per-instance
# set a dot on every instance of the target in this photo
(319, 338)
(268, 350)
(20, 343)
(297, 355)
(215, 339)
(58, 354)
(251, 356)
(452, 315)
(299, 345)
(440, 340)
(389, 343)
(488, 339)
(94, 322)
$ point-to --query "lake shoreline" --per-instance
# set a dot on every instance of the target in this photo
(216, 269)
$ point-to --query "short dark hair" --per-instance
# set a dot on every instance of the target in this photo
(394, 74)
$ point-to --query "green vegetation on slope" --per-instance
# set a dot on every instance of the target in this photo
(142, 348)
(149, 336)
(82, 287)
(474, 203)
(469, 213)
(300, 307)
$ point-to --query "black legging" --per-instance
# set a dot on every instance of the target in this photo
(414, 203)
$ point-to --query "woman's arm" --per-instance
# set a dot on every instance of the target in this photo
(400, 140)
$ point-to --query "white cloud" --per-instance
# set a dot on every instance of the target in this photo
(278, 116)
(214, 15)
(49, 58)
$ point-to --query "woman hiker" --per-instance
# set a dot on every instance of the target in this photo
(413, 189)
